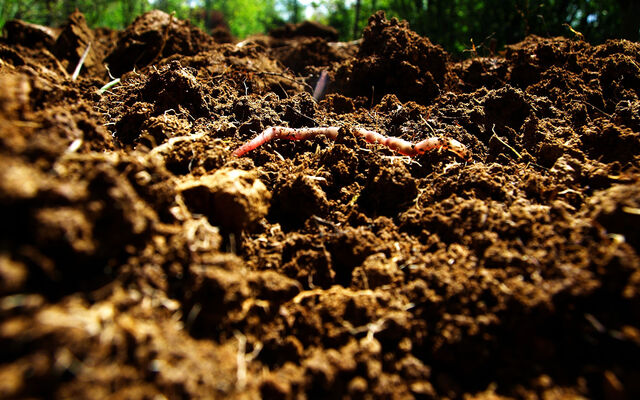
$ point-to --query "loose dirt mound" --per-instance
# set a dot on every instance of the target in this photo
(139, 257)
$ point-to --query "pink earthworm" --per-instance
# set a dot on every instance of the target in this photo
(394, 143)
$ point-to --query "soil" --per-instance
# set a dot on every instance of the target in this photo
(139, 257)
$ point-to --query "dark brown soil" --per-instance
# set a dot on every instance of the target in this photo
(139, 257)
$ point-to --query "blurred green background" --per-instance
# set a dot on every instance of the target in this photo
(458, 25)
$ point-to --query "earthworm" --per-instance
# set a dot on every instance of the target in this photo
(394, 143)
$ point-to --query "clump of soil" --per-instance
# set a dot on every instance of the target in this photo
(305, 28)
(139, 257)
(153, 36)
(394, 59)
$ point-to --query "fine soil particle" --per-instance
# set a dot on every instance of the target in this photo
(140, 258)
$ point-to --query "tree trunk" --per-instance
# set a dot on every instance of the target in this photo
(356, 29)
(630, 24)
(208, 7)
(295, 11)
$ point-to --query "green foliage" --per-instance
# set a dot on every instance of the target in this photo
(451, 23)
(340, 17)
(246, 17)
(456, 23)
(179, 8)
(107, 13)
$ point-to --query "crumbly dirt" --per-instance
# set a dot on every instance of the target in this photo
(139, 257)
